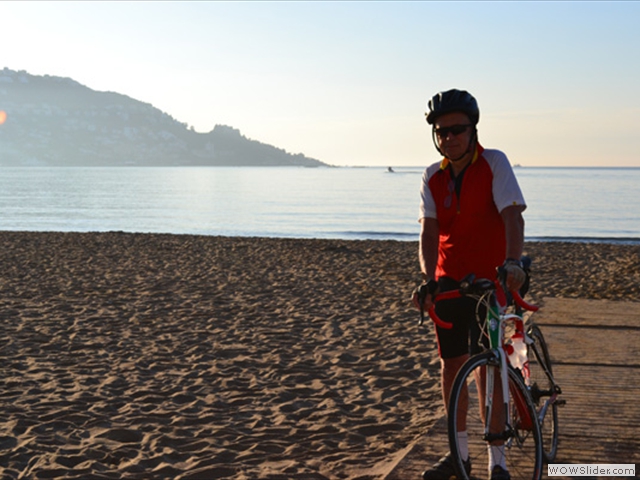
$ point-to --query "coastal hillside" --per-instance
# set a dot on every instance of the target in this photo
(54, 121)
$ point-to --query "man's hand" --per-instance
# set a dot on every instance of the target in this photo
(516, 275)
(423, 295)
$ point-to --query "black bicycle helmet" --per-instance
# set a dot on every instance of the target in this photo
(453, 101)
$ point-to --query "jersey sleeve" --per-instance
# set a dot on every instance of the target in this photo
(427, 203)
(506, 191)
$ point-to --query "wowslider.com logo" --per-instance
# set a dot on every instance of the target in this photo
(592, 469)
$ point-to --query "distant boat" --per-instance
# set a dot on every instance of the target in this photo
(517, 165)
(390, 170)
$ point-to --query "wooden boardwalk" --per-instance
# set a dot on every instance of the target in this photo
(595, 349)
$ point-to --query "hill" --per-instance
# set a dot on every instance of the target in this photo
(59, 122)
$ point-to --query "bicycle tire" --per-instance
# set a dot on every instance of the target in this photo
(523, 450)
(538, 354)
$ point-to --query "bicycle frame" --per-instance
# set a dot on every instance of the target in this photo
(496, 321)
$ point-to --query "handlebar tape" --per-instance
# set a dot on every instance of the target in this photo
(521, 303)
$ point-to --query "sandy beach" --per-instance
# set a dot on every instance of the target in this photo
(138, 356)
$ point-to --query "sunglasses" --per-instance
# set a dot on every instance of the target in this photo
(444, 132)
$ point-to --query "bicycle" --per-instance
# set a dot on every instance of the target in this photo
(492, 388)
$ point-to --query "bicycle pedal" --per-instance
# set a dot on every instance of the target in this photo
(561, 402)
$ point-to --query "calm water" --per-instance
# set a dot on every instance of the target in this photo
(349, 203)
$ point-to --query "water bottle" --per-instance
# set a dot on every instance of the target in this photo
(517, 351)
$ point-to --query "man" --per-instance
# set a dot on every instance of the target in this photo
(471, 215)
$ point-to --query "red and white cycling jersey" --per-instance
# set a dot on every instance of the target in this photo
(472, 235)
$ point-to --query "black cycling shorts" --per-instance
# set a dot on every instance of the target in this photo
(465, 335)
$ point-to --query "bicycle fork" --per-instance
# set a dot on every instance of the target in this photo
(500, 364)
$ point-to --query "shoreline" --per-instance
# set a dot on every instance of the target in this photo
(349, 237)
(158, 355)
(597, 240)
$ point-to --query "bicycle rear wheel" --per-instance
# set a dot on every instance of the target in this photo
(522, 441)
(542, 388)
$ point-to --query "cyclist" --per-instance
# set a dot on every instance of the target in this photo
(471, 215)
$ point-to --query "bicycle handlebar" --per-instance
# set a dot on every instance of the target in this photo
(469, 289)
(438, 321)
(522, 304)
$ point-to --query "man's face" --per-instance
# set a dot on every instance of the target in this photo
(453, 144)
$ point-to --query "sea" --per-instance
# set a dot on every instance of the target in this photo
(564, 204)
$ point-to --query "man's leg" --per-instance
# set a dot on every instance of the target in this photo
(453, 347)
(450, 368)
(497, 420)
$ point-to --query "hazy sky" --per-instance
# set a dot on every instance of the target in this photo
(558, 83)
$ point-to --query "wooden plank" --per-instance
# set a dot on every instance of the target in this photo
(574, 311)
(592, 346)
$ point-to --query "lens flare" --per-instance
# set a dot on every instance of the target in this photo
(3, 116)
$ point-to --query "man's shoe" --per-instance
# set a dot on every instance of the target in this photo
(499, 473)
(444, 469)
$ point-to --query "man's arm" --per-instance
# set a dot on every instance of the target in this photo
(514, 231)
(428, 254)
(429, 235)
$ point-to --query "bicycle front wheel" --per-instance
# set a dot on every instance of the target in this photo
(516, 430)
(542, 388)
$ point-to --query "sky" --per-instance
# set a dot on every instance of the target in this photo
(558, 83)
